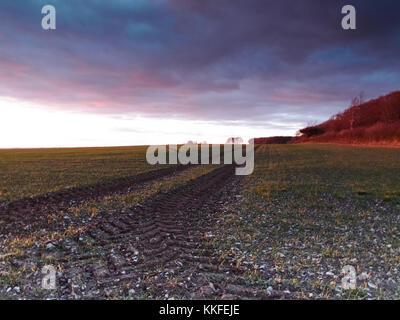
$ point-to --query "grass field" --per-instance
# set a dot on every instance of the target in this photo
(309, 170)
(309, 210)
(286, 231)
(30, 172)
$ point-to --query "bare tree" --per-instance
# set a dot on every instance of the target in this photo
(234, 140)
(356, 102)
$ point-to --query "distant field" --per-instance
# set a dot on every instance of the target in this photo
(29, 172)
(337, 169)
(341, 170)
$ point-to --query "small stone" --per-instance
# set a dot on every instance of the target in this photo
(208, 234)
(50, 246)
(371, 285)
(131, 292)
(363, 276)
(133, 250)
(155, 240)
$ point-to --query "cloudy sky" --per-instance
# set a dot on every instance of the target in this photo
(127, 72)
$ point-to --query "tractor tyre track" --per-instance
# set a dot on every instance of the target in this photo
(158, 249)
(20, 212)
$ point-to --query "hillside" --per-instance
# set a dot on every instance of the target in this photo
(271, 140)
(373, 122)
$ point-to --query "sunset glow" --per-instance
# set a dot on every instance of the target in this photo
(147, 72)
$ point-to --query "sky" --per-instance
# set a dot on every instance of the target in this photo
(136, 72)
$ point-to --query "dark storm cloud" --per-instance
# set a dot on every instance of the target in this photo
(215, 60)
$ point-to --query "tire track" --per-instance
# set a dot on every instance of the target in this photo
(23, 211)
(159, 248)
